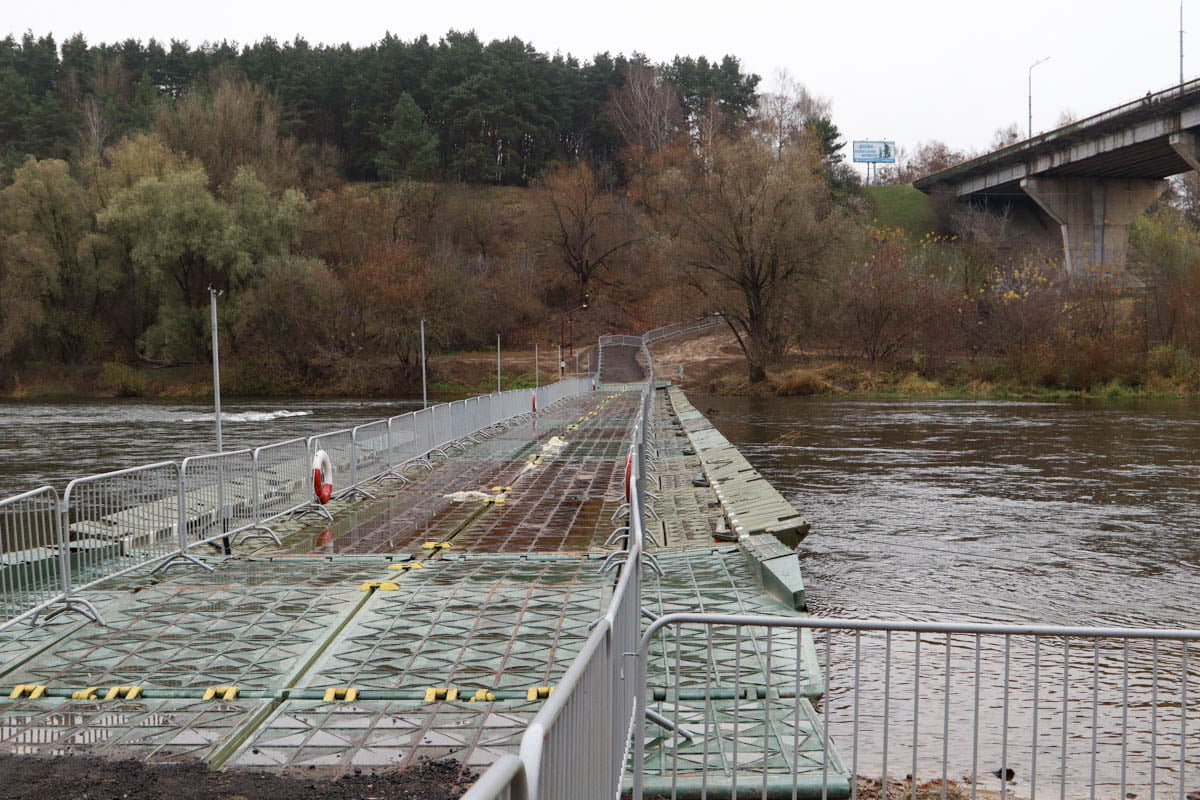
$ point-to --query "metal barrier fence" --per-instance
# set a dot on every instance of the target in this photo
(404, 440)
(577, 744)
(30, 568)
(677, 328)
(123, 520)
(372, 450)
(283, 480)
(218, 497)
(154, 516)
(1001, 709)
(339, 446)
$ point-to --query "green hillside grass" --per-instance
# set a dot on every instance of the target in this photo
(901, 207)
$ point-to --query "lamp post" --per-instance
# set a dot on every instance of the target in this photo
(213, 293)
(1031, 66)
(562, 318)
(497, 362)
(424, 390)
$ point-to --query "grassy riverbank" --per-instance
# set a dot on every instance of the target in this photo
(822, 378)
(713, 364)
(710, 364)
(451, 375)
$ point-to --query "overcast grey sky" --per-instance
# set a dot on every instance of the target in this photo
(909, 71)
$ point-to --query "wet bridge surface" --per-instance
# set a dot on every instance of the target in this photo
(425, 623)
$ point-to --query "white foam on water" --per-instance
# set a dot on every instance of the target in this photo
(250, 416)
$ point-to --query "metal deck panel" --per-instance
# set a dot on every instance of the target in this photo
(470, 624)
(330, 738)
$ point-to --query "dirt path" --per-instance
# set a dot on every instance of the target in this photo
(705, 356)
(620, 365)
(82, 777)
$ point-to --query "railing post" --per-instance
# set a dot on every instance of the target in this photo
(179, 508)
(64, 548)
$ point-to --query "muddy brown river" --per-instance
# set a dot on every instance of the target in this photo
(1022, 512)
(1057, 513)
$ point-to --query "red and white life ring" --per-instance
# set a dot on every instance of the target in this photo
(322, 477)
(533, 398)
(628, 476)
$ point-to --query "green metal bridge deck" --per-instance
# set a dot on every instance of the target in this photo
(422, 625)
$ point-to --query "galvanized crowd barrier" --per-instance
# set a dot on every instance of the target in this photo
(157, 515)
(130, 518)
(31, 562)
(406, 444)
(219, 497)
(339, 446)
(283, 481)
(674, 329)
(1088, 711)
(372, 452)
(579, 742)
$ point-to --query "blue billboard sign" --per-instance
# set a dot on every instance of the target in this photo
(874, 152)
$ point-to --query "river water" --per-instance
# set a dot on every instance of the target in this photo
(1059, 513)
(979, 511)
(51, 443)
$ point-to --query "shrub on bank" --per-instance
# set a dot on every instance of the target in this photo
(122, 380)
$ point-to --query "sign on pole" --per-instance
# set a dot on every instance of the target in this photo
(874, 152)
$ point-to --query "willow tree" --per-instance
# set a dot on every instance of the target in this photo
(753, 230)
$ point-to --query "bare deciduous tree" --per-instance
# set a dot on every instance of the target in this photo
(753, 231)
(1003, 137)
(94, 129)
(783, 112)
(588, 227)
(646, 110)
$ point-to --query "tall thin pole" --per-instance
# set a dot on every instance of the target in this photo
(213, 292)
(497, 362)
(561, 364)
(424, 389)
(536, 383)
(212, 297)
(1034, 64)
(1181, 42)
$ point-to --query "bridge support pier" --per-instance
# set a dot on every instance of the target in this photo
(1094, 214)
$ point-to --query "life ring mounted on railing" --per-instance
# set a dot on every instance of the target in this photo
(322, 477)
(628, 476)
(533, 399)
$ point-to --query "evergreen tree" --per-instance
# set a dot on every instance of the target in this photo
(408, 149)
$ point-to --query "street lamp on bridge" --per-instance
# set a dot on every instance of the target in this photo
(1034, 64)
(562, 318)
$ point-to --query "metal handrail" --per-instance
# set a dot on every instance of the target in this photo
(504, 780)
(148, 518)
(833, 768)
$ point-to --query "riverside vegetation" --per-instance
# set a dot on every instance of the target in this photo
(339, 195)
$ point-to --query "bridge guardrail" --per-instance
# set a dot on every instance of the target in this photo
(219, 496)
(1064, 724)
(31, 575)
(283, 480)
(155, 515)
(577, 745)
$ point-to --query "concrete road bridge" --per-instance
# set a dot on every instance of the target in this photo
(1078, 188)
